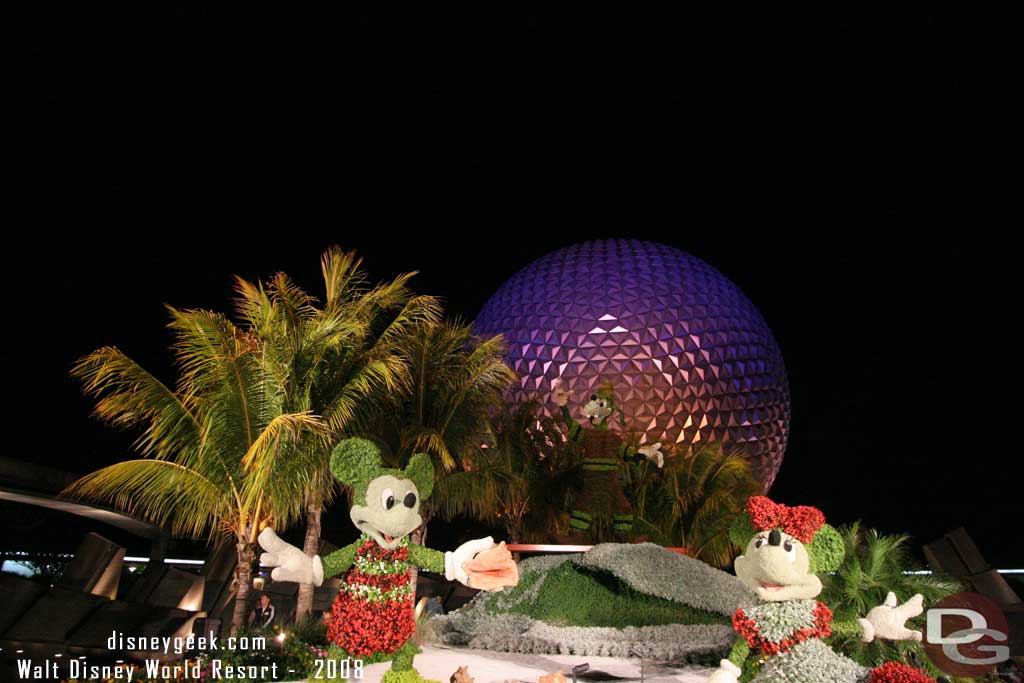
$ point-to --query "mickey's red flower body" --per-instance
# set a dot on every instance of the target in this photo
(373, 612)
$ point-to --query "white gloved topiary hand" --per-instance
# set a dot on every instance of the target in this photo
(559, 394)
(887, 621)
(291, 563)
(653, 453)
(453, 559)
(727, 672)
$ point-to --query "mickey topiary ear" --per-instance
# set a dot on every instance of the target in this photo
(826, 550)
(421, 471)
(355, 461)
(742, 529)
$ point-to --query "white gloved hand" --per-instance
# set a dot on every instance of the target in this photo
(888, 620)
(653, 453)
(291, 563)
(727, 672)
(453, 559)
(559, 394)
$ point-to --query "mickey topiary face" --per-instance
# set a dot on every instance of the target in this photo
(385, 502)
(785, 547)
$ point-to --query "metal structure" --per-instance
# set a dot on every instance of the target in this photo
(691, 358)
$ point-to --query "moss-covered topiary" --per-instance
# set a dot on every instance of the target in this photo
(407, 676)
(614, 600)
(596, 598)
(826, 551)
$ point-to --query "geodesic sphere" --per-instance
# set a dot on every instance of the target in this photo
(690, 357)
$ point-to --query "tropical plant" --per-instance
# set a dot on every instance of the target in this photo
(540, 467)
(875, 564)
(220, 456)
(341, 359)
(692, 502)
(458, 380)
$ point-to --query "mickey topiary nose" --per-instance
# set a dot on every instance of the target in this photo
(774, 537)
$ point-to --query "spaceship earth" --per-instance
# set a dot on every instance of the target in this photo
(690, 357)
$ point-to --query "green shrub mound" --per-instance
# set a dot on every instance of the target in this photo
(615, 600)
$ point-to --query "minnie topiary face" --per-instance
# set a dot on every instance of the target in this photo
(385, 502)
(785, 547)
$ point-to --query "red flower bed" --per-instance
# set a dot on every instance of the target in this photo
(364, 627)
(897, 672)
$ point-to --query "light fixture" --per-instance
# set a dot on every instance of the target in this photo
(280, 638)
(18, 652)
(258, 583)
(58, 655)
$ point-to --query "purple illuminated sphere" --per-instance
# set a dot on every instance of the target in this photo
(690, 357)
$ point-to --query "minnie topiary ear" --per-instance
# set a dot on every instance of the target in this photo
(742, 529)
(421, 471)
(826, 550)
(355, 461)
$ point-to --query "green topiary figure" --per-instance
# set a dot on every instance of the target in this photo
(782, 638)
(601, 494)
(372, 617)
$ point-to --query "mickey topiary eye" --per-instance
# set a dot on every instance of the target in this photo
(387, 498)
(593, 397)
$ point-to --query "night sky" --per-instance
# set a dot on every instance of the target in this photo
(840, 170)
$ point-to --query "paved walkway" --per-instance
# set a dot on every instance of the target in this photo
(439, 663)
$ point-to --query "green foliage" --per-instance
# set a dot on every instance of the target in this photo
(338, 358)
(356, 462)
(295, 657)
(311, 630)
(458, 380)
(826, 550)
(407, 676)
(694, 500)
(539, 469)
(874, 564)
(421, 470)
(572, 596)
(426, 558)
(741, 530)
(221, 455)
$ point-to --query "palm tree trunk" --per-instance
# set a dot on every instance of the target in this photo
(243, 580)
(311, 546)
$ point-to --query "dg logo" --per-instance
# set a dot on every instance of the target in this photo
(966, 635)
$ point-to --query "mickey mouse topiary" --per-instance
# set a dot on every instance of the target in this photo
(372, 617)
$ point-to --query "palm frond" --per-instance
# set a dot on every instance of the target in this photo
(129, 396)
(164, 493)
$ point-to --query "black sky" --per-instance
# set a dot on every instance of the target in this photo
(844, 171)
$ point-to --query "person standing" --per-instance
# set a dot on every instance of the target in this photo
(262, 615)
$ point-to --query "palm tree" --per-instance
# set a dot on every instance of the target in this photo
(693, 502)
(340, 360)
(540, 468)
(458, 381)
(875, 564)
(219, 456)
